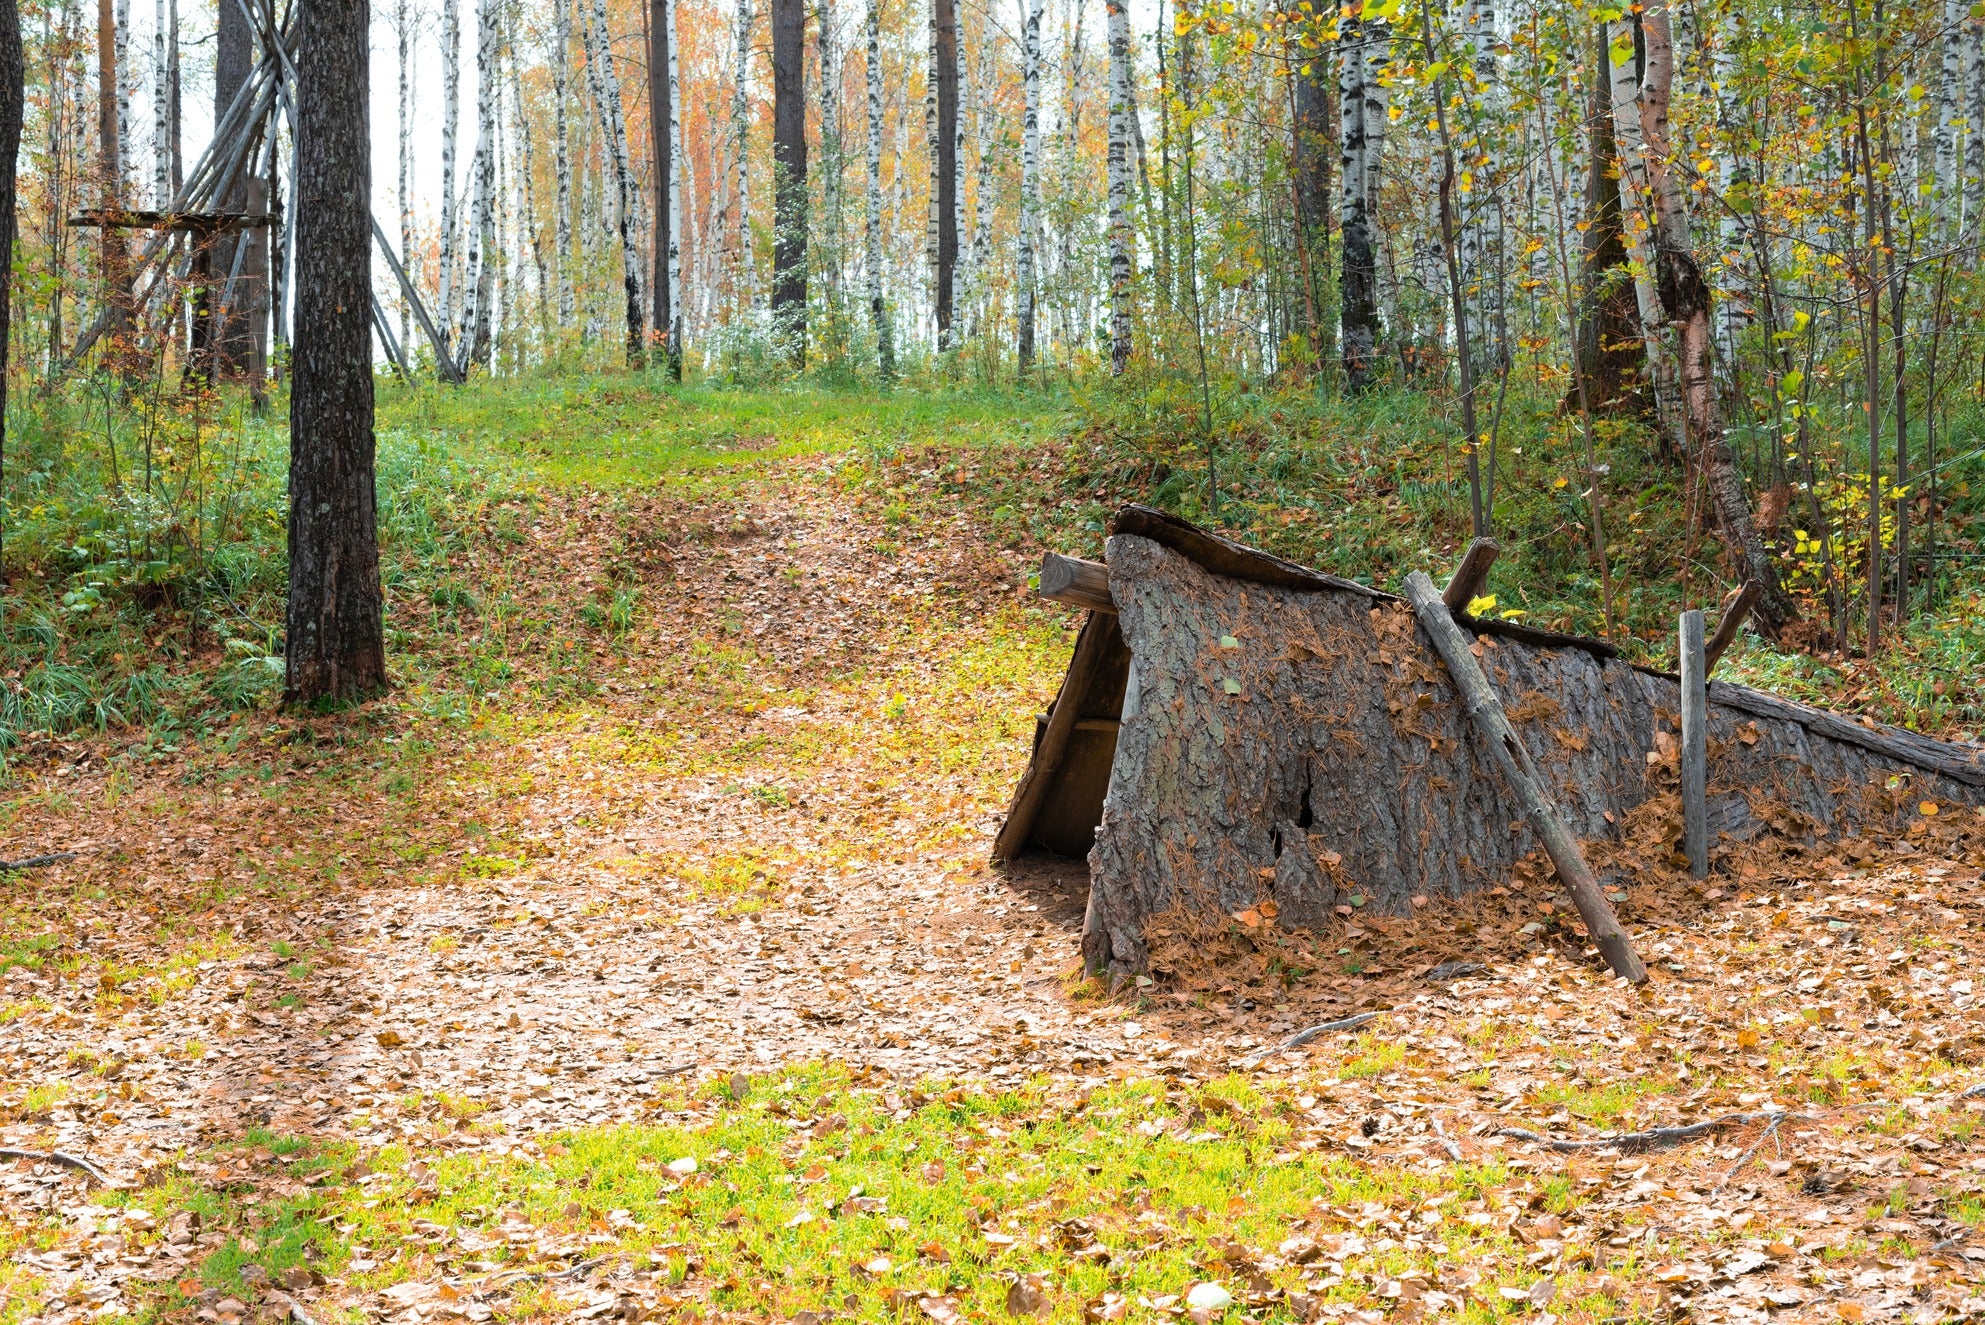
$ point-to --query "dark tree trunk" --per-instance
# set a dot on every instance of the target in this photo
(789, 177)
(1612, 353)
(944, 17)
(227, 335)
(1285, 750)
(1315, 143)
(661, 114)
(13, 81)
(336, 645)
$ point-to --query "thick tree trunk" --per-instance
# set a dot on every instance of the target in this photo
(789, 201)
(665, 128)
(13, 82)
(1612, 355)
(1685, 301)
(1314, 142)
(1030, 177)
(1122, 240)
(885, 346)
(336, 642)
(945, 163)
(1362, 107)
(561, 62)
(451, 115)
(1324, 759)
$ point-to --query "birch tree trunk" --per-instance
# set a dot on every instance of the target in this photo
(885, 348)
(1733, 310)
(933, 162)
(1119, 186)
(1362, 105)
(1612, 354)
(945, 163)
(789, 200)
(127, 89)
(336, 637)
(1685, 300)
(1030, 177)
(1480, 198)
(745, 278)
(482, 253)
(451, 113)
(828, 259)
(1974, 124)
(1311, 147)
(403, 29)
(1625, 62)
(613, 128)
(521, 130)
(561, 62)
(665, 128)
(1950, 116)
(161, 105)
(978, 263)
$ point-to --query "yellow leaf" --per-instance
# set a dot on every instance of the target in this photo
(1928, 809)
(1485, 603)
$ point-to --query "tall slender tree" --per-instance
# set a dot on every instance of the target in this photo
(605, 80)
(1121, 237)
(161, 110)
(827, 259)
(665, 127)
(561, 58)
(789, 201)
(1030, 178)
(885, 347)
(336, 646)
(944, 163)
(744, 277)
(1313, 140)
(1362, 108)
(403, 30)
(451, 115)
(482, 256)
(13, 83)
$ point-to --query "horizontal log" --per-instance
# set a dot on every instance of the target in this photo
(1964, 763)
(1079, 583)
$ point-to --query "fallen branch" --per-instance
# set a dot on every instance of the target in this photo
(1972, 1092)
(35, 862)
(62, 1157)
(1770, 1131)
(1304, 1037)
(296, 1311)
(1656, 1138)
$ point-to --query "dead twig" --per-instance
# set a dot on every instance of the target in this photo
(1770, 1131)
(297, 1313)
(63, 1158)
(35, 862)
(1972, 1092)
(1656, 1138)
(1447, 1142)
(1304, 1037)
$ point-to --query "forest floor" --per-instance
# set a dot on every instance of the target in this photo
(639, 957)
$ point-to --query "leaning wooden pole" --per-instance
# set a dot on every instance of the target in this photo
(1486, 712)
(1695, 745)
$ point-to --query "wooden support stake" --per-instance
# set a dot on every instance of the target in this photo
(1092, 652)
(1471, 574)
(1076, 582)
(1736, 607)
(1695, 746)
(1517, 769)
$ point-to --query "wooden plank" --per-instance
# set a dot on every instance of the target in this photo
(1466, 584)
(1092, 657)
(1079, 583)
(1695, 746)
(1736, 607)
(1962, 763)
(1486, 711)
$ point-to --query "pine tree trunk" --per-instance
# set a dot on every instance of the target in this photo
(745, 278)
(13, 82)
(665, 127)
(1030, 178)
(944, 168)
(561, 64)
(1361, 108)
(789, 198)
(403, 28)
(1685, 301)
(613, 126)
(885, 347)
(336, 643)
(1121, 237)
(1612, 354)
(451, 114)
(1313, 144)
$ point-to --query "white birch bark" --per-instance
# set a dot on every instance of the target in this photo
(613, 127)
(403, 29)
(1362, 108)
(1637, 222)
(829, 235)
(127, 90)
(1478, 192)
(745, 277)
(1030, 178)
(984, 126)
(677, 166)
(1950, 112)
(1733, 304)
(872, 218)
(451, 109)
(480, 246)
(521, 131)
(1119, 186)
(161, 106)
(561, 165)
(933, 158)
(1973, 167)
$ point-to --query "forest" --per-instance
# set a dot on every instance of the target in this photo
(1247, 660)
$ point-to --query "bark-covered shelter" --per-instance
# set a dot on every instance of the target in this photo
(1237, 733)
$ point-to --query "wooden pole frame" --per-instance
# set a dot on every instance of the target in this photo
(1695, 744)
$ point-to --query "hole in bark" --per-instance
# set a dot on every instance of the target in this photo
(1275, 840)
(1305, 819)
